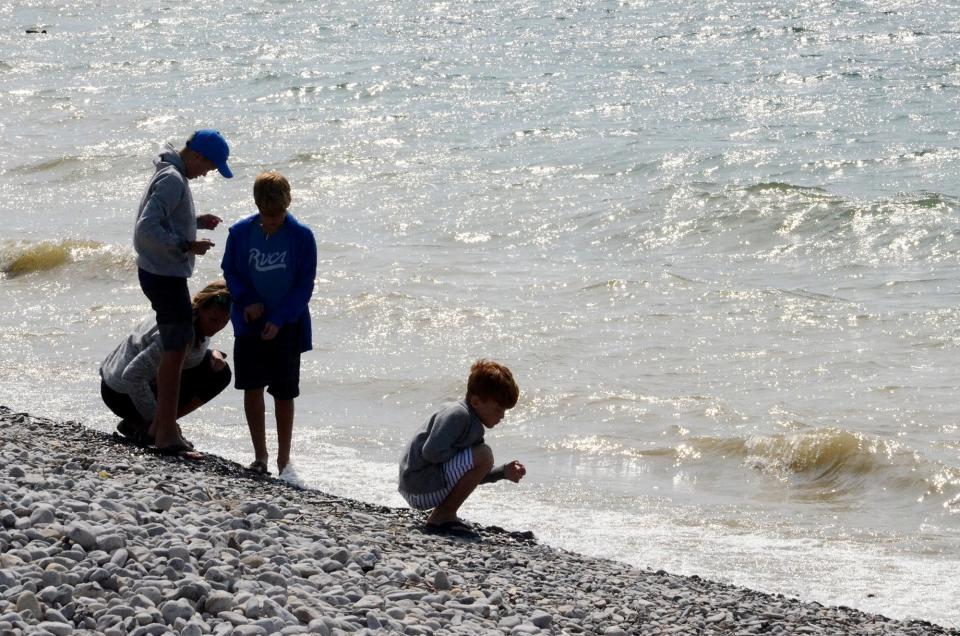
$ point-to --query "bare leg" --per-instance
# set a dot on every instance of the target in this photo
(164, 427)
(254, 409)
(186, 409)
(284, 409)
(447, 510)
(190, 407)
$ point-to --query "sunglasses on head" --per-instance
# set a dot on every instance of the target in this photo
(222, 300)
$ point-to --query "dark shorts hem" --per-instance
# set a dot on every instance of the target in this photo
(170, 298)
(271, 364)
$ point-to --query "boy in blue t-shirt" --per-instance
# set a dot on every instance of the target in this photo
(270, 263)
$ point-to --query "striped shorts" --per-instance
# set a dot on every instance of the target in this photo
(453, 469)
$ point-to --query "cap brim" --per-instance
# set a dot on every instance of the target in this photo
(225, 171)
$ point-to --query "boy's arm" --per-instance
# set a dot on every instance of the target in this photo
(293, 304)
(237, 282)
(165, 194)
(138, 376)
(447, 429)
(495, 475)
(514, 471)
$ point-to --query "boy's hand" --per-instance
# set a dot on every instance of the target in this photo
(253, 312)
(208, 221)
(217, 360)
(514, 471)
(200, 246)
(269, 331)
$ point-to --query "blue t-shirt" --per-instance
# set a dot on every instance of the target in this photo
(271, 271)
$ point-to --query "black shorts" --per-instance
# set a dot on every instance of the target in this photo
(199, 382)
(170, 298)
(274, 364)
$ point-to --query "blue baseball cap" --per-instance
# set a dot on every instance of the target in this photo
(211, 144)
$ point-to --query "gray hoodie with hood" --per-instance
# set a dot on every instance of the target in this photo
(448, 431)
(132, 367)
(167, 220)
(454, 427)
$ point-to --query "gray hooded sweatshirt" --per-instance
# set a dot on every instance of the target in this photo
(166, 221)
(448, 431)
(131, 368)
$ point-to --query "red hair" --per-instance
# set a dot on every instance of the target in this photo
(489, 379)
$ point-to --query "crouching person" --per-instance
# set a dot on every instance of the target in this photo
(447, 459)
(129, 374)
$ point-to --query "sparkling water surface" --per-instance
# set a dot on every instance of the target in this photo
(717, 244)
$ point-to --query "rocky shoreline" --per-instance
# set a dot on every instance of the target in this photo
(100, 537)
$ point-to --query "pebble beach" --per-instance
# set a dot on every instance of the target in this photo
(101, 537)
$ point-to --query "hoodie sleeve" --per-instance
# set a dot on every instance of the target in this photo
(151, 228)
(448, 428)
(296, 301)
(238, 281)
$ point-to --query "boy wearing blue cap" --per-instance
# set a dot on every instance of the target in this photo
(165, 240)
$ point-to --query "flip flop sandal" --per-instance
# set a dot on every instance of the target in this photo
(455, 528)
(134, 432)
(259, 467)
(179, 449)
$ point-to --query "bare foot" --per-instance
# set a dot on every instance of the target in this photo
(440, 518)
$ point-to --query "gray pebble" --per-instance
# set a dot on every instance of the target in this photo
(191, 629)
(341, 556)
(541, 619)
(56, 628)
(110, 542)
(119, 557)
(27, 602)
(163, 503)
(7, 579)
(55, 616)
(509, 622)
(151, 629)
(48, 595)
(234, 617)
(122, 611)
(83, 535)
(441, 581)
(42, 514)
(218, 601)
(172, 610)
(369, 602)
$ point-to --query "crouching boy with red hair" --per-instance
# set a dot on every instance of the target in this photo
(447, 458)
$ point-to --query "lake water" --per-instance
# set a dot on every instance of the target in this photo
(717, 244)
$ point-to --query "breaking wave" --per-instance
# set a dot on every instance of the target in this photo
(828, 461)
(774, 220)
(20, 258)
